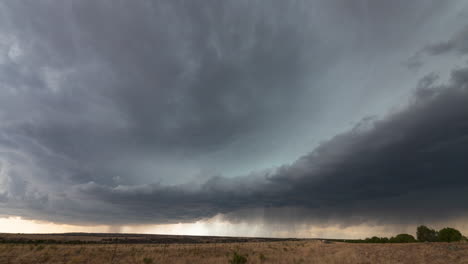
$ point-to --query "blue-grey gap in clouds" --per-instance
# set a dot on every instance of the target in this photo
(127, 112)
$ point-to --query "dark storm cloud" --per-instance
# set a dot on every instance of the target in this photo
(101, 101)
(129, 92)
(458, 43)
(183, 75)
(106, 84)
(409, 165)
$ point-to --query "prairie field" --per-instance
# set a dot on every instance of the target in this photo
(302, 251)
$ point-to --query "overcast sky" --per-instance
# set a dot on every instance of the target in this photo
(317, 113)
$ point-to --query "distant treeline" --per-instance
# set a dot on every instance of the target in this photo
(44, 241)
(423, 234)
(141, 240)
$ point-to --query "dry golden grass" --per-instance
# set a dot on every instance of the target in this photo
(256, 252)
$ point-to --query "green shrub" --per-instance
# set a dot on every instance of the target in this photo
(238, 259)
(262, 257)
(425, 234)
(375, 239)
(148, 260)
(449, 235)
(402, 238)
(40, 247)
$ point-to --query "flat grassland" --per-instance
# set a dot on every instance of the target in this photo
(255, 251)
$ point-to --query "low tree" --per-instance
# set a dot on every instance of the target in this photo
(449, 234)
(384, 240)
(402, 238)
(373, 239)
(425, 234)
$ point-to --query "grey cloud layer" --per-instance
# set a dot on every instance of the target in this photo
(411, 165)
(136, 83)
(100, 101)
(458, 44)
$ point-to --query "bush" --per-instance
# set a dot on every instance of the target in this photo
(262, 257)
(425, 234)
(238, 259)
(402, 238)
(375, 239)
(40, 247)
(449, 235)
(148, 260)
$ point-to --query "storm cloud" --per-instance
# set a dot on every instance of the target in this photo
(411, 164)
(457, 44)
(174, 111)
